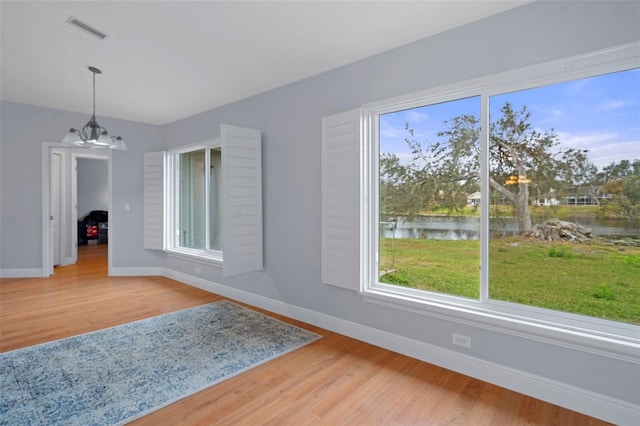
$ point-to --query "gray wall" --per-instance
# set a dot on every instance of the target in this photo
(93, 186)
(289, 118)
(23, 129)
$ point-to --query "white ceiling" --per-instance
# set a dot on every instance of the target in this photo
(166, 60)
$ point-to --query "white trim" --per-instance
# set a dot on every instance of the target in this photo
(21, 273)
(171, 204)
(136, 271)
(112, 223)
(590, 64)
(603, 337)
(47, 266)
(522, 327)
(203, 144)
(195, 257)
(567, 396)
(63, 206)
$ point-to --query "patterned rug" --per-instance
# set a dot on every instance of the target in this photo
(115, 375)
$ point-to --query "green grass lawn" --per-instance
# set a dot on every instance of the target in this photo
(593, 278)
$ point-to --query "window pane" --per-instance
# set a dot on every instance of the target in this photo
(429, 195)
(215, 210)
(565, 197)
(192, 200)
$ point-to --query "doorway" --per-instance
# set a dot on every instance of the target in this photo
(60, 199)
(90, 196)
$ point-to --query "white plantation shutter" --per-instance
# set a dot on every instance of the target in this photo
(242, 200)
(154, 200)
(341, 199)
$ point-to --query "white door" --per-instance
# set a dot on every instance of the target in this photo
(54, 207)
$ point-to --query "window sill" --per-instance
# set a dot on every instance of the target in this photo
(196, 257)
(611, 345)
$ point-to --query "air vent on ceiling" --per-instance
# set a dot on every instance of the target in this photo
(75, 22)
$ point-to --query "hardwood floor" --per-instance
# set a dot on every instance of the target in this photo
(335, 380)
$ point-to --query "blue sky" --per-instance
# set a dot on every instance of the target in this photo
(600, 114)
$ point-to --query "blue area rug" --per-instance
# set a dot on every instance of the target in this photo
(115, 375)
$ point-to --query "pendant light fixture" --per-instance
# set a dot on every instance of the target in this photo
(92, 135)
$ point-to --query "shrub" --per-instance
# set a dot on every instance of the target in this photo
(561, 251)
(604, 292)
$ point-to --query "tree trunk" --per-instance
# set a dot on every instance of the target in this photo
(520, 202)
(559, 230)
(522, 209)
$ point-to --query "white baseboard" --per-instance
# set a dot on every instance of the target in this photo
(20, 272)
(136, 272)
(571, 397)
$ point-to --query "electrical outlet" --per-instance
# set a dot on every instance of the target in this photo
(198, 270)
(461, 340)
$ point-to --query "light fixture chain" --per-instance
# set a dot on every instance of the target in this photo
(94, 94)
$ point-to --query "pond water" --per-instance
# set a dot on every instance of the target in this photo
(468, 228)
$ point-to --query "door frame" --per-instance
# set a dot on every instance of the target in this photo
(68, 202)
(56, 195)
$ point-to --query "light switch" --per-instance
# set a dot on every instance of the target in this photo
(127, 207)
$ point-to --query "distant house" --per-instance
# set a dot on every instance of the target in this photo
(473, 199)
(546, 202)
(587, 196)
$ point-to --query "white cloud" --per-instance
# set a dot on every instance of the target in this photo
(405, 158)
(585, 140)
(389, 131)
(609, 105)
(577, 87)
(557, 112)
(604, 147)
(414, 117)
(605, 155)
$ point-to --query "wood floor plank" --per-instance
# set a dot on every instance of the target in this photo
(333, 381)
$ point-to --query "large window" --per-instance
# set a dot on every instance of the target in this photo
(518, 195)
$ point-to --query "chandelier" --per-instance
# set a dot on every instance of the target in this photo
(92, 135)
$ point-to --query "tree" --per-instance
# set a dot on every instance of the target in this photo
(423, 183)
(522, 160)
(586, 177)
(622, 180)
(535, 157)
(402, 192)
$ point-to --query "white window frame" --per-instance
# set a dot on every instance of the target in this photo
(241, 202)
(610, 338)
(173, 195)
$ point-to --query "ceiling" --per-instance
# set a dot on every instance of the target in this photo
(166, 60)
